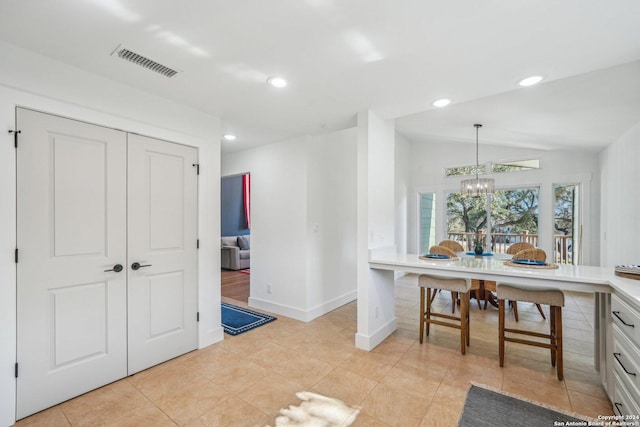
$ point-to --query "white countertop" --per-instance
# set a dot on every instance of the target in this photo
(568, 277)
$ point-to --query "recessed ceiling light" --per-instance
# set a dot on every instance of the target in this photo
(530, 81)
(277, 82)
(441, 102)
(229, 137)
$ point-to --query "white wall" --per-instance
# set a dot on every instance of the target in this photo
(620, 200)
(298, 186)
(402, 191)
(278, 223)
(428, 160)
(39, 83)
(331, 220)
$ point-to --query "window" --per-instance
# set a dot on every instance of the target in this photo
(511, 166)
(515, 166)
(508, 216)
(565, 223)
(514, 217)
(465, 170)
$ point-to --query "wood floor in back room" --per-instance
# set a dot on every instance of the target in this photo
(235, 285)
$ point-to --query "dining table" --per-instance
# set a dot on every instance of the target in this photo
(482, 294)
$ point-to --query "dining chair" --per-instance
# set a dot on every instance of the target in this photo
(460, 286)
(552, 297)
(490, 285)
(517, 247)
(443, 250)
(517, 251)
(534, 254)
(452, 245)
(531, 253)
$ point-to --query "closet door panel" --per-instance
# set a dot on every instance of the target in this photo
(162, 219)
(71, 227)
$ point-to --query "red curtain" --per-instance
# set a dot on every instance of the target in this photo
(246, 197)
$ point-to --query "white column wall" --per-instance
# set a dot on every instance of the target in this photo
(376, 226)
(33, 81)
(429, 159)
(620, 202)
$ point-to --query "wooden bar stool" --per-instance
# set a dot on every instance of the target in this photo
(454, 285)
(552, 297)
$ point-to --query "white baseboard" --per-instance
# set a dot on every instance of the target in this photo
(303, 315)
(272, 307)
(331, 305)
(370, 342)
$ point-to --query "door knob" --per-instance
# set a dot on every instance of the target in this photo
(117, 268)
(137, 266)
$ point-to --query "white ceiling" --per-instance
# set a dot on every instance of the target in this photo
(342, 57)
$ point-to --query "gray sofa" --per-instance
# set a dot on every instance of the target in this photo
(236, 252)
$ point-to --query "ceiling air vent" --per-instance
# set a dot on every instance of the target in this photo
(145, 62)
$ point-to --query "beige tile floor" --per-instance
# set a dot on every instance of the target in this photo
(245, 380)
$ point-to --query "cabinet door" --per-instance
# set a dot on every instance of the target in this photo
(71, 229)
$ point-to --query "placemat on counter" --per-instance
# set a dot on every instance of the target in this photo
(424, 258)
(549, 266)
(628, 275)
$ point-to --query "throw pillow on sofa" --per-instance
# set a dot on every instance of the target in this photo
(243, 242)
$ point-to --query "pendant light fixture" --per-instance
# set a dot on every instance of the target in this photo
(476, 187)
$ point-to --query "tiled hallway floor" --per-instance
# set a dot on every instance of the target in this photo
(245, 380)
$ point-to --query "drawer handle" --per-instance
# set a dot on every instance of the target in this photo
(619, 410)
(617, 314)
(625, 369)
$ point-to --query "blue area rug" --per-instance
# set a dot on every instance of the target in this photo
(236, 320)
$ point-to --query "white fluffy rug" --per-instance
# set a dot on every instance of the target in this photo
(317, 411)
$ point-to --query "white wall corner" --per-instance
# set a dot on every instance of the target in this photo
(211, 336)
(369, 342)
(328, 306)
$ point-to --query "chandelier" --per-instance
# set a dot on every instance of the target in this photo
(476, 187)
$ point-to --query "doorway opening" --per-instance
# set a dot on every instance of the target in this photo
(426, 221)
(566, 228)
(235, 227)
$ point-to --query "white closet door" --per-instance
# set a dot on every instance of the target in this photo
(71, 227)
(162, 235)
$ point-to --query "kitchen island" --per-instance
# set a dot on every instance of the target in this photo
(612, 326)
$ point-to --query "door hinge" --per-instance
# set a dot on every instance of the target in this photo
(198, 244)
(197, 316)
(197, 166)
(16, 369)
(15, 137)
(16, 255)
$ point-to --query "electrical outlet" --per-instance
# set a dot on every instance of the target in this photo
(268, 288)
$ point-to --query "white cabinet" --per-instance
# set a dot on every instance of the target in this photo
(625, 356)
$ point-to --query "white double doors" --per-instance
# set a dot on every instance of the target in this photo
(107, 256)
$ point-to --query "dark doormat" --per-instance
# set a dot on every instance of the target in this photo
(494, 409)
